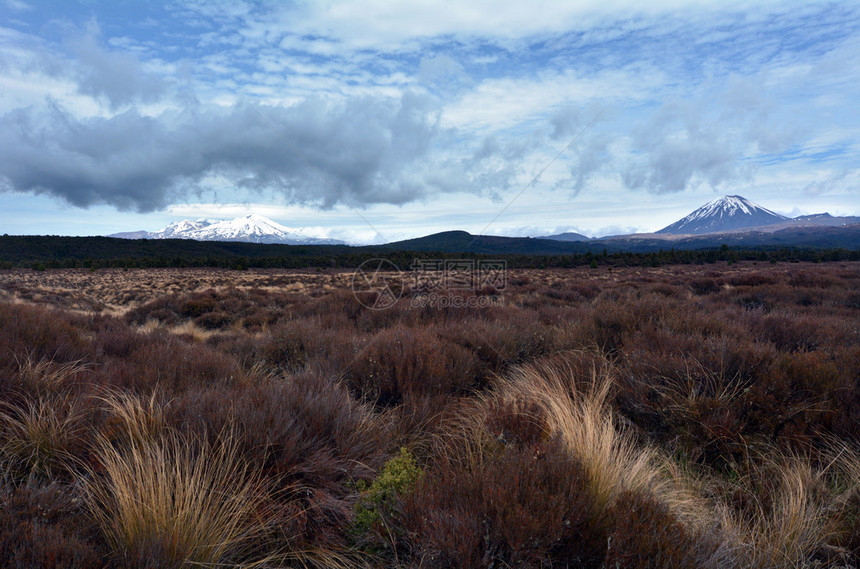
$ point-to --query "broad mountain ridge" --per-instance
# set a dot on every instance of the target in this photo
(251, 228)
(569, 236)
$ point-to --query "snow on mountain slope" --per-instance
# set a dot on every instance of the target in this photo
(250, 228)
(724, 214)
(180, 229)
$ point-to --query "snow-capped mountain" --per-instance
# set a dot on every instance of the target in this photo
(182, 229)
(725, 214)
(250, 228)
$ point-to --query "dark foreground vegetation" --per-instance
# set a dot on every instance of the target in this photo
(681, 416)
(40, 252)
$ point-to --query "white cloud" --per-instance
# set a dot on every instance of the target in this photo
(17, 5)
(415, 103)
(367, 23)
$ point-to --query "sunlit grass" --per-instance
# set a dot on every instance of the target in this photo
(182, 502)
(36, 437)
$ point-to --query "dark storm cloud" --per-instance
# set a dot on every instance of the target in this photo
(369, 149)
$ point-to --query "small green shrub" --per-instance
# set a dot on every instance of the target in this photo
(397, 478)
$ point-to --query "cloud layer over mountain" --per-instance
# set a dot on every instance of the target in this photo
(360, 103)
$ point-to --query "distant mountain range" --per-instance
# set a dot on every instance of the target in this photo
(818, 237)
(250, 228)
(729, 214)
(721, 223)
(732, 220)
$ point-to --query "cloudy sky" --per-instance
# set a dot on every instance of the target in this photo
(372, 120)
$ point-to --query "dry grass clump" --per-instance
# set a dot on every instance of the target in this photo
(40, 437)
(785, 513)
(133, 419)
(175, 501)
(576, 410)
(798, 522)
(170, 499)
(45, 375)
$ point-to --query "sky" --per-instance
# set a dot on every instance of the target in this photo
(371, 121)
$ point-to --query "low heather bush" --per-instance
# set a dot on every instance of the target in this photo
(41, 334)
(527, 506)
(169, 363)
(306, 432)
(646, 534)
(405, 360)
(47, 527)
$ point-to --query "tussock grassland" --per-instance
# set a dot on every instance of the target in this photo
(683, 416)
(175, 502)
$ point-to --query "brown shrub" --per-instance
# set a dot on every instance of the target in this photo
(46, 528)
(499, 344)
(171, 364)
(752, 279)
(645, 534)
(615, 316)
(305, 431)
(814, 279)
(703, 286)
(793, 400)
(527, 507)
(213, 320)
(401, 360)
(38, 333)
(115, 338)
(788, 332)
(214, 309)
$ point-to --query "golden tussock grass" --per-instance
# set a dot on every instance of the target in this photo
(576, 409)
(160, 496)
(188, 329)
(191, 329)
(46, 374)
(140, 419)
(36, 437)
(790, 528)
(178, 502)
